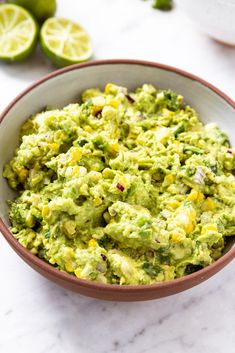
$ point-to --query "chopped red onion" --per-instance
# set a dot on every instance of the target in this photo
(199, 175)
(130, 99)
(103, 257)
(120, 187)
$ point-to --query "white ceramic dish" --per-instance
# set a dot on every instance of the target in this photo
(63, 87)
(214, 17)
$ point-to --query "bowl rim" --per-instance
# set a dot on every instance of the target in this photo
(69, 278)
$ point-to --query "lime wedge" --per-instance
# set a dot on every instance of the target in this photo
(41, 9)
(65, 42)
(18, 33)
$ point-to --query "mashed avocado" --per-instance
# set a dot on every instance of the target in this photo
(124, 188)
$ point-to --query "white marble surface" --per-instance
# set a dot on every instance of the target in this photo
(37, 316)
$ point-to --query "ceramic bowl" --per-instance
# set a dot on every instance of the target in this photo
(214, 17)
(63, 87)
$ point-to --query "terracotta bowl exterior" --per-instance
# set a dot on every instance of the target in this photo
(64, 86)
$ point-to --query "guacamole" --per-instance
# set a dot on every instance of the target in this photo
(123, 188)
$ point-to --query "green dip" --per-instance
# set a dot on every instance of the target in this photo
(124, 188)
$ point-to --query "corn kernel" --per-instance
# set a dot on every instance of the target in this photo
(193, 195)
(208, 205)
(107, 173)
(76, 170)
(176, 143)
(108, 88)
(45, 241)
(187, 219)
(173, 204)
(45, 211)
(23, 173)
(84, 190)
(113, 148)
(97, 201)
(200, 197)
(68, 267)
(132, 136)
(87, 128)
(53, 146)
(196, 196)
(92, 243)
(75, 154)
(135, 131)
(192, 224)
(78, 272)
(68, 252)
(177, 237)
(169, 179)
(209, 227)
(113, 103)
(97, 153)
(95, 109)
(141, 140)
(190, 227)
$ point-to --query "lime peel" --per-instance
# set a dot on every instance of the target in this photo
(41, 9)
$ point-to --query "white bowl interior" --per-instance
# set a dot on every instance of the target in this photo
(66, 88)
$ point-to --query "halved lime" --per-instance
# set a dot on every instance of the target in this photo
(41, 9)
(18, 33)
(65, 42)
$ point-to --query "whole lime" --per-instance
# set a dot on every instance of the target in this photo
(41, 9)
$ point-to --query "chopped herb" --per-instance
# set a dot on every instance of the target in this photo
(151, 269)
(47, 234)
(103, 240)
(190, 268)
(174, 101)
(214, 168)
(190, 171)
(82, 142)
(193, 149)
(146, 233)
(100, 143)
(179, 128)
(106, 242)
(88, 103)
